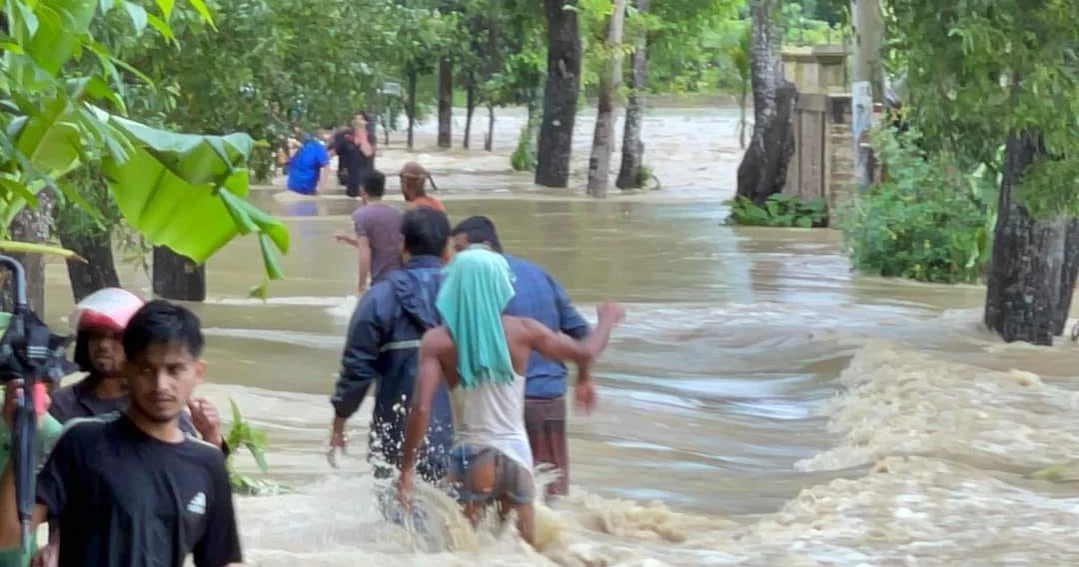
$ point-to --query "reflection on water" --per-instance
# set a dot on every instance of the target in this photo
(760, 406)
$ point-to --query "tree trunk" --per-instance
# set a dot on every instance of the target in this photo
(743, 97)
(178, 277)
(1068, 274)
(470, 107)
(629, 174)
(99, 271)
(411, 108)
(763, 170)
(560, 94)
(599, 165)
(30, 225)
(445, 102)
(1025, 275)
(868, 85)
(489, 141)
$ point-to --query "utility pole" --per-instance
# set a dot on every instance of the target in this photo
(868, 84)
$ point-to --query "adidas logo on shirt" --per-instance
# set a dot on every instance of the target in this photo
(197, 504)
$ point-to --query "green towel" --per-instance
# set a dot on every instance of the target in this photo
(48, 431)
(478, 285)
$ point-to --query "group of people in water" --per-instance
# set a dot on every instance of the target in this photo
(464, 343)
(305, 157)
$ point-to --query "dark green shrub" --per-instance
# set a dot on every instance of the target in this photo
(779, 210)
(930, 220)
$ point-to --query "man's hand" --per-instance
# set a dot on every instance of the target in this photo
(338, 441)
(12, 392)
(585, 395)
(48, 556)
(342, 237)
(611, 313)
(206, 419)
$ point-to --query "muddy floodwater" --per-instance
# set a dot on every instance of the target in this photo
(760, 405)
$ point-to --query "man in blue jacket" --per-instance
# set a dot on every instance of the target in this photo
(383, 340)
(540, 297)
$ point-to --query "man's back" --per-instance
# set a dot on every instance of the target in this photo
(380, 224)
(306, 165)
(539, 297)
(382, 343)
(124, 498)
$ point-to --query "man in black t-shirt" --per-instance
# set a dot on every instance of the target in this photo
(355, 151)
(133, 489)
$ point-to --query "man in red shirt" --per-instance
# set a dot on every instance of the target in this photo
(413, 186)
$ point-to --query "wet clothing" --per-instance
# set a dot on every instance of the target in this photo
(380, 224)
(538, 296)
(488, 422)
(382, 348)
(511, 479)
(305, 167)
(426, 201)
(47, 432)
(352, 164)
(545, 420)
(125, 499)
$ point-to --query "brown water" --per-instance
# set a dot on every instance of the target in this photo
(760, 406)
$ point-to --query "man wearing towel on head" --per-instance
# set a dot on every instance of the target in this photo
(482, 354)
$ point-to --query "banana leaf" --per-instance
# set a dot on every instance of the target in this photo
(189, 192)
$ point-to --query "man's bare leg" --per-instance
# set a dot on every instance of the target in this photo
(526, 518)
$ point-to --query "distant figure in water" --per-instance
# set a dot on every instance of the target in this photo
(306, 165)
(482, 354)
(414, 187)
(378, 233)
(355, 151)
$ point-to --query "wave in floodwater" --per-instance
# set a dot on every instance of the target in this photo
(920, 448)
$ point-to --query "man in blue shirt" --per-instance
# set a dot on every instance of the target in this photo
(539, 297)
(305, 166)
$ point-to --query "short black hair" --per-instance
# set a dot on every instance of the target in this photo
(425, 231)
(479, 229)
(374, 183)
(162, 323)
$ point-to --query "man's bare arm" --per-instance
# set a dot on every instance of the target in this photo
(364, 257)
(561, 347)
(428, 375)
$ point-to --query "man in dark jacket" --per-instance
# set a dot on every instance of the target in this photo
(382, 345)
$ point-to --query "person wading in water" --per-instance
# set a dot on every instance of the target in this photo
(481, 354)
(355, 150)
(381, 348)
(414, 178)
(378, 233)
(539, 296)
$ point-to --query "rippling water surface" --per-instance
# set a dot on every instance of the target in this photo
(760, 406)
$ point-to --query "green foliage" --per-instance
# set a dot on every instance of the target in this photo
(63, 92)
(979, 69)
(801, 29)
(524, 156)
(243, 435)
(779, 210)
(930, 220)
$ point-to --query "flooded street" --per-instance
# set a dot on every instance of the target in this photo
(759, 406)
